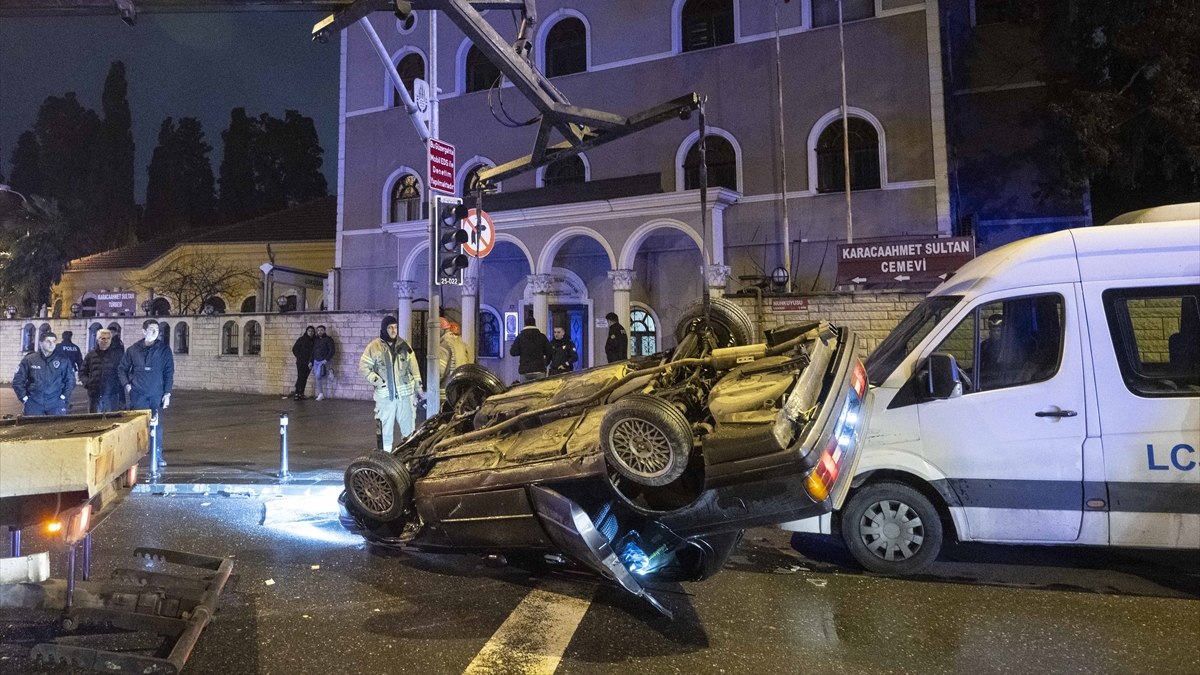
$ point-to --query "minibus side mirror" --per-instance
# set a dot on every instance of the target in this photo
(943, 381)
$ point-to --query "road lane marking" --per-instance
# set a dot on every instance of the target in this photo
(531, 641)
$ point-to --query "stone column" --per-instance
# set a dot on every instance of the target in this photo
(405, 291)
(622, 282)
(541, 285)
(715, 277)
(470, 313)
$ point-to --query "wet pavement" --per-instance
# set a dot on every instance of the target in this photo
(307, 597)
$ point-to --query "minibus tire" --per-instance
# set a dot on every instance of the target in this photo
(879, 518)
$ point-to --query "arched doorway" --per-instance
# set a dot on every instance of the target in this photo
(571, 309)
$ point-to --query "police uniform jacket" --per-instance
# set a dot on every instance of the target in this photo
(44, 379)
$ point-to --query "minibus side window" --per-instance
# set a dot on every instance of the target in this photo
(1008, 343)
(1156, 336)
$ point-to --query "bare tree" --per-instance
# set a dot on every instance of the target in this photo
(193, 278)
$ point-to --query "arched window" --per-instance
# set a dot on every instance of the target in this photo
(410, 67)
(213, 304)
(229, 338)
(87, 306)
(164, 332)
(406, 199)
(489, 334)
(250, 305)
(42, 330)
(471, 181)
(722, 164)
(864, 157)
(566, 171)
(28, 338)
(643, 337)
(181, 338)
(253, 339)
(825, 12)
(160, 307)
(92, 330)
(566, 48)
(706, 23)
(480, 73)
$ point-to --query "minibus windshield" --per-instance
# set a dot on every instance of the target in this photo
(905, 336)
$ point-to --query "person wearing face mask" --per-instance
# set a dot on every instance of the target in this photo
(389, 365)
(99, 374)
(44, 379)
(147, 373)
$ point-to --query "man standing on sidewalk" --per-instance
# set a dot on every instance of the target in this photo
(44, 379)
(389, 365)
(99, 374)
(322, 354)
(147, 372)
(616, 346)
(532, 350)
(303, 351)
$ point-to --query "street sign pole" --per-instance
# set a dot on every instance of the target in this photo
(432, 325)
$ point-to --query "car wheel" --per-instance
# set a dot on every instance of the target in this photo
(378, 486)
(646, 439)
(891, 528)
(732, 326)
(472, 380)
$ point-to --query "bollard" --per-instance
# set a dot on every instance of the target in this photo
(155, 451)
(14, 542)
(284, 474)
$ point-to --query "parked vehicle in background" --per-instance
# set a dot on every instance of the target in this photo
(1047, 393)
(647, 468)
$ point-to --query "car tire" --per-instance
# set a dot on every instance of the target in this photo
(891, 528)
(472, 378)
(646, 439)
(378, 486)
(733, 327)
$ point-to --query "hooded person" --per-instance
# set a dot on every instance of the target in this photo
(302, 349)
(389, 365)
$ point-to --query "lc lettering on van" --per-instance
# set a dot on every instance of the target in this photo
(1182, 457)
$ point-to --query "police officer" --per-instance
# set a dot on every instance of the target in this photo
(70, 351)
(562, 352)
(44, 379)
(147, 372)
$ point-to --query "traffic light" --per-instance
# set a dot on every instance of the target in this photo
(449, 235)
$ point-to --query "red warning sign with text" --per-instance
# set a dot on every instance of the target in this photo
(441, 166)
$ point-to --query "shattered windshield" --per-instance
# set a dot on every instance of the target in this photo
(904, 337)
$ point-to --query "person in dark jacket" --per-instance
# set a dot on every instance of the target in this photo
(147, 372)
(99, 374)
(303, 351)
(44, 379)
(616, 346)
(562, 352)
(70, 351)
(323, 352)
(532, 347)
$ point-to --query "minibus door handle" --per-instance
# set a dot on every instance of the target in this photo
(1055, 413)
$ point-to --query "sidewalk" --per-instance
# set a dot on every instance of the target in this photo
(216, 439)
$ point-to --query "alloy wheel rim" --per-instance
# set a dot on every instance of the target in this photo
(641, 447)
(891, 530)
(373, 490)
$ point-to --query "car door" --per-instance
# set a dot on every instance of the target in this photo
(1146, 344)
(1012, 444)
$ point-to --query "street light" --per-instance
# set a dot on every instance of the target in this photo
(75, 307)
(10, 312)
(6, 189)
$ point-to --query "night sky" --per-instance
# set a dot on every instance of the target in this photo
(178, 65)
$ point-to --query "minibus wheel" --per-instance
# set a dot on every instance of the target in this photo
(891, 528)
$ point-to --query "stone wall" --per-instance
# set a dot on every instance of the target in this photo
(208, 366)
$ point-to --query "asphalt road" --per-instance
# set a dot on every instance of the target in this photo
(309, 598)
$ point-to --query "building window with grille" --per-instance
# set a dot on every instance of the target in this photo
(825, 12)
(411, 67)
(181, 338)
(489, 335)
(253, 338)
(164, 332)
(229, 338)
(480, 72)
(406, 199)
(566, 171)
(722, 164)
(705, 24)
(864, 157)
(643, 338)
(566, 48)
(28, 341)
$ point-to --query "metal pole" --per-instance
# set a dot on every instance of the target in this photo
(706, 256)
(70, 578)
(845, 132)
(155, 451)
(284, 474)
(14, 542)
(787, 225)
(87, 556)
(390, 69)
(432, 384)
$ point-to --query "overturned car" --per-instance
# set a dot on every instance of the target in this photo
(644, 469)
